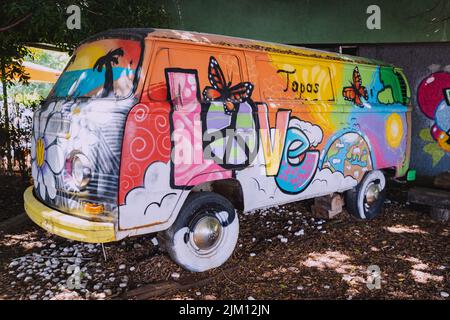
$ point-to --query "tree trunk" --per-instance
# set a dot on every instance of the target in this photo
(6, 115)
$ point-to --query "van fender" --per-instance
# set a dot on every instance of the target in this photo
(146, 211)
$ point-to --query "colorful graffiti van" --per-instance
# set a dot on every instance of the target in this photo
(169, 131)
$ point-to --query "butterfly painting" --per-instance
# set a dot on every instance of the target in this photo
(356, 90)
(221, 90)
(229, 120)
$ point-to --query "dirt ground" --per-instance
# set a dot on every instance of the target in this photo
(283, 253)
(11, 191)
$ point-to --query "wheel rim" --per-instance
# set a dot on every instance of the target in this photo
(207, 232)
(373, 193)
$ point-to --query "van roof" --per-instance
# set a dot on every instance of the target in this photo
(228, 41)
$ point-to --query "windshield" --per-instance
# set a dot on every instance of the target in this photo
(100, 69)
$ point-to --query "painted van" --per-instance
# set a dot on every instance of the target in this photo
(152, 130)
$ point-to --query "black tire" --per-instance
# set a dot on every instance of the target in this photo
(356, 199)
(191, 248)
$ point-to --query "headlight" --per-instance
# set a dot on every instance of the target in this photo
(81, 169)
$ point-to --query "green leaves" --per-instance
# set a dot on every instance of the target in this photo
(28, 22)
(432, 148)
(434, 151)
(425, 135)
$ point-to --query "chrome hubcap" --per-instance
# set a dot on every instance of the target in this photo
(373, 193)
(206, 232)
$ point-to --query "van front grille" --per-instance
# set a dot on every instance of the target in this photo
(403, 87)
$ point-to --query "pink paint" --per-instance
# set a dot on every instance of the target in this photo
(435, 132)
(189, 166)
(431, 92)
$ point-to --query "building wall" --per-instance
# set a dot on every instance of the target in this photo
(316, 22)
(427, 67)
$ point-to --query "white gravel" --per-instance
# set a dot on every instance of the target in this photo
(72, 270)
(154, 241)
(77, 270)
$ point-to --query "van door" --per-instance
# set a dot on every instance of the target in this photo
(145, 196)
(163, 142)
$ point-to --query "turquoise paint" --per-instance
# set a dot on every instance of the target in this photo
(90, 80)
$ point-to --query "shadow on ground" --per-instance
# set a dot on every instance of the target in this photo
(283, 253)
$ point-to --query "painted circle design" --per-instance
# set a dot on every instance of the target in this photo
(141, 147)
(350, 155)
(140, 112)
(394, 130)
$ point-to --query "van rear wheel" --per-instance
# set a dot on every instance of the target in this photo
(366, 200)
(204, 234)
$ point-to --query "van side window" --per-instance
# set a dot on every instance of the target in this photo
(199, 60)
(157, 87)
(288, 79)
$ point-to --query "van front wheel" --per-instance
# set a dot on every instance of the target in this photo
(366, 200)
(204, 234)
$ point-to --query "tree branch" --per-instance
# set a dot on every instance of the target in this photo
(16, 23)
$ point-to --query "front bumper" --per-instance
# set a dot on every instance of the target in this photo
(65, 225)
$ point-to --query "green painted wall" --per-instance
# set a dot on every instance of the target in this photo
(315, 22)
